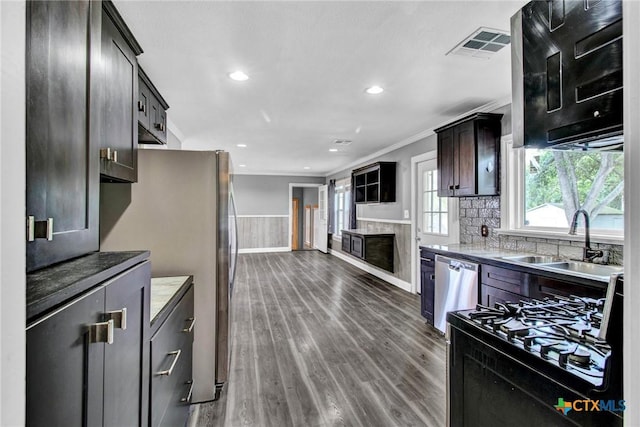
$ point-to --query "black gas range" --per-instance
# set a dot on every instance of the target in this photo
(551, 362)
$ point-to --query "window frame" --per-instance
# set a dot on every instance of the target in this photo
(434, 190)
(512, 201)
(344, 185)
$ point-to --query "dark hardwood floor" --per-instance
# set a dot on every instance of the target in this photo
(318, 342)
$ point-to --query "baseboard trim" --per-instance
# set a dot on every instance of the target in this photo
(263, 250)
(405, 286)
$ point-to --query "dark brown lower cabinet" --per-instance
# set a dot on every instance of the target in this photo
(88, 361)
(372, 247)
(171, 369)
(427, 286)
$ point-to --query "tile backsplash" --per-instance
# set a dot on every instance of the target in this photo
(478, 211)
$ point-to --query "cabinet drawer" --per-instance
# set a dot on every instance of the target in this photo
(508, 280)
(491, 296)
(171, 346)
(546, 287)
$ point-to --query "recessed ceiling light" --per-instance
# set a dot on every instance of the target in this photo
(374, 90)
(307, 167)
(333, 150)
(242, 145)
(243, 166)
(239, 76)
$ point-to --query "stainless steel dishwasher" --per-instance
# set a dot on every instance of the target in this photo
(456, 288)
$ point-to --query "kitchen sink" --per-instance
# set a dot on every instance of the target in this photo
(532, 259)
(586, 268)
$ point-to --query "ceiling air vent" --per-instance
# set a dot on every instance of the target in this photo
(482, 43)
(342, 142)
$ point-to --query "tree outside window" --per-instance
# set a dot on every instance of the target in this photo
(557, 183)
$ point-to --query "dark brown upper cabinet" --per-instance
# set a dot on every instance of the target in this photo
(567, 74)
(468, 156)
(375, 183)
(119, 139)
(62, 130)
(152, 112)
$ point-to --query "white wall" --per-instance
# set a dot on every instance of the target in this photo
(12, 213)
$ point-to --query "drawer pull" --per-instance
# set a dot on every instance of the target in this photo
(119, 318)
(190, 328)
(101, 332)
(188, 398)
(173, 364)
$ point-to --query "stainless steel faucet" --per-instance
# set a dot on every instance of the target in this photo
(588, 254)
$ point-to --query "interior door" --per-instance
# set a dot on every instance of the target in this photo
(295, 226)
(436, 217)
(320, 227)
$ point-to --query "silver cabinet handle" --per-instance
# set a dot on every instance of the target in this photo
(188, 397)
(169, 371)
(39, 229)
(109, 154)
(105, 153)
(101, 332)
(190, 328)
(119, 318)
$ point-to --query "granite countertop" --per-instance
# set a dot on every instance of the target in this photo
(493, 256)
(366, 232)
(165, 293)
(53, 286)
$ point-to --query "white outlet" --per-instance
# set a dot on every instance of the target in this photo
(406, 214)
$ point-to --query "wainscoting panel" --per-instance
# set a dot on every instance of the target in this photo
(263, 231)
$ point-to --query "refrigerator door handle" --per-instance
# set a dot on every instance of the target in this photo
(235, 241)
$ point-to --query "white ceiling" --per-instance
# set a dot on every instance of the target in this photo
(309, 63)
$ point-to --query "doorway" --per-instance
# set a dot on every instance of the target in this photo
(304, 204)
(435, 218)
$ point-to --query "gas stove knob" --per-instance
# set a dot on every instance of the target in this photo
(563, 358)
(528, 342)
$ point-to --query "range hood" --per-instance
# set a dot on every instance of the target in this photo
(567, 75)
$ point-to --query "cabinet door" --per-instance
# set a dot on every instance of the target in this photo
(65, 370)
(120, 99)
(491, 296)
(158, 119)
(427, 284)
(346, 242)
(126, 361)
(464, 159)
(487, 154)
(62, 133)
(144, 104)
(357, 246)
(572, 54)
(445, 163)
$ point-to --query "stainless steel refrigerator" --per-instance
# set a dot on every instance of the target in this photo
(182, 210)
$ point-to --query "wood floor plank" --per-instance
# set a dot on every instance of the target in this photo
(317, 342)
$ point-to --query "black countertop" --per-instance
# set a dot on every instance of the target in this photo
(492, 256)
(53, 286)
(366, 232)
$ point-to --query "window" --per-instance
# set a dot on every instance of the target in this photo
(545, 187)
(434, 209)
(342, 205)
